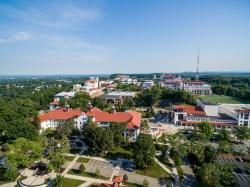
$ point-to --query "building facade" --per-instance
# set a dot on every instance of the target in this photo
(193, 87)
(57, 117)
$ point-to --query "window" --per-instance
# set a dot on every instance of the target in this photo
(245, 123)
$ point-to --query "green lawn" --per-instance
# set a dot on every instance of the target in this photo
(153, 171)
(223, 99)
(122, 152)
(71, 182)
(69, 158)
(86, 174)
(83, 160)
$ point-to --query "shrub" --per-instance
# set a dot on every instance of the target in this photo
(81, 168)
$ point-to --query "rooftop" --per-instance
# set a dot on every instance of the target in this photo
(60, 114)
(131, 118)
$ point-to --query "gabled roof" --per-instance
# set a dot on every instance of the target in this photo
(60, 114)
(131, 118)
(191, 109)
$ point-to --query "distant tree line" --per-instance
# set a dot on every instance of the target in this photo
(232, 86)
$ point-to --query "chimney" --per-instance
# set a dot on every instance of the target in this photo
(66, 107)
(90, 106)
(113, 109)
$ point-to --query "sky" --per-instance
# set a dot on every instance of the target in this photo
(123, 36)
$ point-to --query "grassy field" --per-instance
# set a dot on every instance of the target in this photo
(83, 160)
(69, 158)
(153, 171)
(86, 174)
(122, 152)
(71, 182)
(222, 99)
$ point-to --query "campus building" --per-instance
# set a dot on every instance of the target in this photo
(178, 83)
(147, 84)
(131, 119)
(54, 118)
(239, 112)
(189, 116)
(91, 87)
(118, 96)
(65, 95)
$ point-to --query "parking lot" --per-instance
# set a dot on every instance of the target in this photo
(136, 178)
(107, 168)
(242, 177)
(233, 161)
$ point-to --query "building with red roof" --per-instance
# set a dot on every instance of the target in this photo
(54, 118)
(131, 119)
(187, 115)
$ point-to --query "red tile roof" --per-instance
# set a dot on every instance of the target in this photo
(133, 119)
(60, 114)
(191, 109)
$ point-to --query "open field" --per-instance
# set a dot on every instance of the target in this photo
(153, 171)
(223, 99)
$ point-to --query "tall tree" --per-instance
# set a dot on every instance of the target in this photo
(242, 133)
(144, 151)
(206, 128)
(24, 152)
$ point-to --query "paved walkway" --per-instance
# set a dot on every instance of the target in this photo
(71, 164)
(189, 177)
(11, 184)
(162, 166)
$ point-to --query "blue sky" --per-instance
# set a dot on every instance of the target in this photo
(126, 36)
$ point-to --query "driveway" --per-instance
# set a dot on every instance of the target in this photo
(105, 167)
(189, 177)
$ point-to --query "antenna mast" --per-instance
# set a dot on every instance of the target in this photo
(197, 68)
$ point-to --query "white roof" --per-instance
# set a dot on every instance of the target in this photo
(64, 94)
(121, 93)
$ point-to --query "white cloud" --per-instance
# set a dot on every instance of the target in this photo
(19, 36)
(52, 14)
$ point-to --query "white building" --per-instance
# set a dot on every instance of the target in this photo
(93, 82)
(54, 118)
(118, 96)
(193, 87)
(187, 115)
(197, 87)
(131, 119)
(240, 112)
(147, 84)
(65, 95)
